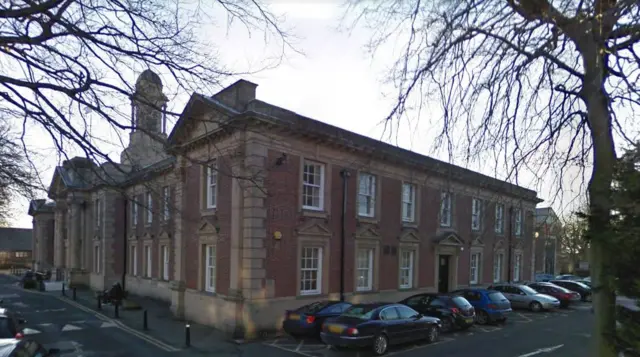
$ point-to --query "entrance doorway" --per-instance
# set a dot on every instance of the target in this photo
(443, 273)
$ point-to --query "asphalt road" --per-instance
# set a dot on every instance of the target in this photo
(76, 332)
(564, 333)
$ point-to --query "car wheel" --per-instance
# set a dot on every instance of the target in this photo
(432, 334)
(380, 344)
(447, 324)
(535, 306)
(482, 317)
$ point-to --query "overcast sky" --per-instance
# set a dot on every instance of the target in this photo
(336, 81)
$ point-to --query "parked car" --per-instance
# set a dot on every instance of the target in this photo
(490, 305)
(522, 296)
(307, 320)
(379, 325)
(24, 348)
(565, 295)
(28, 280)
(454, 311)
(567, 277)
(10, 325)
(544, 277)
(582, 289)
(586, 281)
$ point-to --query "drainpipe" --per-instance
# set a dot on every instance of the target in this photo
(510, 268)
(345, 176)
(124, 241)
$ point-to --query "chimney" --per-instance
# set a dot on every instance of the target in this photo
(237, 95)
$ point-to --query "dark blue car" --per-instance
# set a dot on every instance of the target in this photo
(490, 305)
(307, 320)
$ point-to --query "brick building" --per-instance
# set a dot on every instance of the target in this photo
(237, 214)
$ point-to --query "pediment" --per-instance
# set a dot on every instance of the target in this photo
(147, 236)
(206, 227)
(450, 238)
(96, 237)
(314, 229)
(164, 235)
(409, 236)
(133, 237)
(477, 242)
(194, 121)
(498, 244)
(519, 244)
(368, 232)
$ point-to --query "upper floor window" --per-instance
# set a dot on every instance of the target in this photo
(476, 214)
(499, 218)
(165, 203)
(518, 221)
(408, 202)
(134, 213)
(313, 186)
(445, 209)
(366, 195)
(98, 212)
(149, 202)
(212, 185)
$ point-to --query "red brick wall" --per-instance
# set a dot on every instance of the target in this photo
(191, 219)
(223, 246)
(118, 246)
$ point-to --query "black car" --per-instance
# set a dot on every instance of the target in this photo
(24, 348)
(455, 311)
(308, 319)
(379, 325)
(582, 289)
(10, 325)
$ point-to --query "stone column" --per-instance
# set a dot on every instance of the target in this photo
(179, 284)
(34, 244)
(59, 235)
(40, 229)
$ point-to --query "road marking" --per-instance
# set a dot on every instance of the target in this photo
(30, 331)
(19, 304)
(71, 328)
(542, 350)
(284, 349)
(108, 324)
(45, 325)
(524, 317)
(417, 347)
(9, 296)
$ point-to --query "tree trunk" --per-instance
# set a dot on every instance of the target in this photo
(600, 203)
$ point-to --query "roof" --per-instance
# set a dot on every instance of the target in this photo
(15, 239)
(544, 213)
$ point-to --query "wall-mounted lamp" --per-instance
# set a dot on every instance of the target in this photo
(277, 235)
(462, 249)
(536, 234)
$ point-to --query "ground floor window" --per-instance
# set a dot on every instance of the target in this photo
(97, 261)
(517, 266)
(475, 268)
(311, 271)
(497, 267)
(406, 269)
(133, 268)
(364, 264)
(148, 261)
(210, 268)
(164, 258)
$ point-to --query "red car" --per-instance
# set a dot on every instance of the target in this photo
(564, 295)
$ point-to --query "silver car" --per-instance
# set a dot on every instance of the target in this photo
(523, 297)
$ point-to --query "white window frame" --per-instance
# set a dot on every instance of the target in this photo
(366, 195)
(406, 270)
(408, 202)
(476, 214)
(166, 197)
(517, 267)
(148, 258)
(306, 255)
(164, 257)
(315, 188)
(499, 218)
(474, 265)
(134, 213)
(498, 264)
(210, 265)
(149, 203)
(98, 212)
(518, 221)
(212, 185)
(97, 263)
(134, 260)
(362, 271)
(445, 209)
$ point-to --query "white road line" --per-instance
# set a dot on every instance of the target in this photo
(284, 349)
(524, 317)
(542, 350)
(299, 346)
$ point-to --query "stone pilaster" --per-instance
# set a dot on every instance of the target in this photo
(109, 234)
(179, 273)
(41, 223)
(75, 225)
(59, 259)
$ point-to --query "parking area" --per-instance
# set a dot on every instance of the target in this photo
(543, 322)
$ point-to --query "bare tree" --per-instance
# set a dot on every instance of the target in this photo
(541, 82)
(17, 175)
(573, 241)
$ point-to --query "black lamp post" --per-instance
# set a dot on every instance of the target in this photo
(344, 173)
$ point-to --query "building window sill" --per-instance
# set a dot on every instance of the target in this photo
(410, 225)
(366, 292)
(369, 220)
(208, 211)
(314, 214)
(311, 295)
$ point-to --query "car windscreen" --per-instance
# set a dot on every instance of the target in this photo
(496, 297)
(313, 307)
(364, 312)
(528, 290)
(582, 285)
(459, 301)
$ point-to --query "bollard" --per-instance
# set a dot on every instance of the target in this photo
(145, 324)
(187, 335)
(116, 309)
(99, 302)
(63, 293)
(74, 293)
